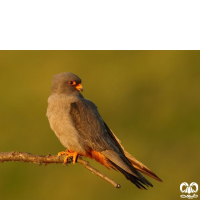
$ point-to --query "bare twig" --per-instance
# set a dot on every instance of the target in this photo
(30, 158)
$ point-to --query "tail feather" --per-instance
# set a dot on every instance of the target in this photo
(141, 167)
(135, 163)
(139, 182)
(111, 159)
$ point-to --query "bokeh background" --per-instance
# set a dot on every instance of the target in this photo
(150, 99)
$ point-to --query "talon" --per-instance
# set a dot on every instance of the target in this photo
(68, 154)
(65, 160)
(61, 153)
(74, 157)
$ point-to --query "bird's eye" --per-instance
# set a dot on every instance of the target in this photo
(72, 82)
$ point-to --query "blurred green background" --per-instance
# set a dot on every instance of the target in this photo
(150, 99)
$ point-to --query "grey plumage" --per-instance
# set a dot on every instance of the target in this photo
(79, 126)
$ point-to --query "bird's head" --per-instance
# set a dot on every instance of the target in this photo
(66, 83)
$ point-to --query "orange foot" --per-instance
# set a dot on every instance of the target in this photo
(68, 154)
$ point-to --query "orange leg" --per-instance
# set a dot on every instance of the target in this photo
(68, 154)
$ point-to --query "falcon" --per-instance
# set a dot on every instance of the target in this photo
(81, 129)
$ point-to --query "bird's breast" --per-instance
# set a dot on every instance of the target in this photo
(58, 113)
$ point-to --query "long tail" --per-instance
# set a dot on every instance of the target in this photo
(136, 164)
(122, 164)
(112, 160)
(141, 167)
(125, 163)
(135, 180)
(119, 162)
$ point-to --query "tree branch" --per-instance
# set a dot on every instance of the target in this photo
(30, 158)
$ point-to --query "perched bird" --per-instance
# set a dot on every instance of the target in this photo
(80, 128)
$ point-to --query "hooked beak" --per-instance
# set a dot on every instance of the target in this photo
(79, 87)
